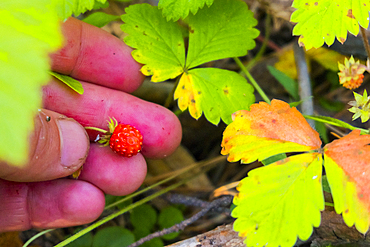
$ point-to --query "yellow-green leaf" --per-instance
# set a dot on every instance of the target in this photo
(223, 30)
(159, 44)
(69, 81)
(324, 20)
(216, 92)
(176, 9)
(66, 8)
(29, 31)
(347, 168)
(267, 130)
(280, 202)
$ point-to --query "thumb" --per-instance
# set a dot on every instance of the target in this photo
(58, 147)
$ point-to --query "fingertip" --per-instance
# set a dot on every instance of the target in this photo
(94, 55)
(81, 202)
(112, 173)
(65, 202)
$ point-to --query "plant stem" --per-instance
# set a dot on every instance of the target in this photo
(251, 79)
(169, 99)
(122, 211)
(209, 163)
(264, 44)
(36, 236)
(366, 41)
(97, 129)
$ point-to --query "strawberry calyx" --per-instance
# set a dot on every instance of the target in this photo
(104, 139)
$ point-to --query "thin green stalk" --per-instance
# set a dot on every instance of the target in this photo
(252, 81)
(264, 44)
(122, 211)
(169, 99)
(144, 200)
(36, 236)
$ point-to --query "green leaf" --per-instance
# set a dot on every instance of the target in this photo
(273, 159)
(29, 32)
(143, 216)
(159, 44)
(176, 9)
(66, 8)
(168, 217)
(323, 21)
(83, 241)
(113, 236)
(143, 232)
(69, 81)
(100, 19)
(290, 85)
(325, 184)
(216, 92)
(223, 30)
(335, 122)
(278, 202)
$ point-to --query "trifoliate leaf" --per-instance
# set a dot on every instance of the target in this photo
(176, 9)
(216, 92)
(267, 130)
(69, 81)
(223, 30)
(324, 20)
(66, 8)
(29, 31)
(159, 44)
(347, 169)
(280, 202)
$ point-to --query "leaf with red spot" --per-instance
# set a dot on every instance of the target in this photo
(282, 201)
(347, 167)
(267, 130)
(320, 21)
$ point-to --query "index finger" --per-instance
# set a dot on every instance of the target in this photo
(94, 55)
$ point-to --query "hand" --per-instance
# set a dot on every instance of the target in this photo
(39, 194)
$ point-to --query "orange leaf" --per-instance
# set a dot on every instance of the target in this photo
(267, 130)
(348, 169)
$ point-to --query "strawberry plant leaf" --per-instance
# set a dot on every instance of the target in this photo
(290, 85)
(223, 30)
(323, 21)
(347, 169)
(69, 81)
(24, 69)
(216, 92)
(100, 19)
(66, 8)
(278, 202)
(159, 44)
(176, 9)
(267, 130)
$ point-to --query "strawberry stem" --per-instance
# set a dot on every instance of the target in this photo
(97, 129)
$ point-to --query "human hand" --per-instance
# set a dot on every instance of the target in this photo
(39, 194)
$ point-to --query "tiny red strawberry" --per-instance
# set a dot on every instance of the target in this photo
(123, 139)
(126, 140)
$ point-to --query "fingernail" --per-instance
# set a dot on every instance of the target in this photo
(74, 142)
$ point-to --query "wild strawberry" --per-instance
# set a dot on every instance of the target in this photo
(126, 140)
(123, 139)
